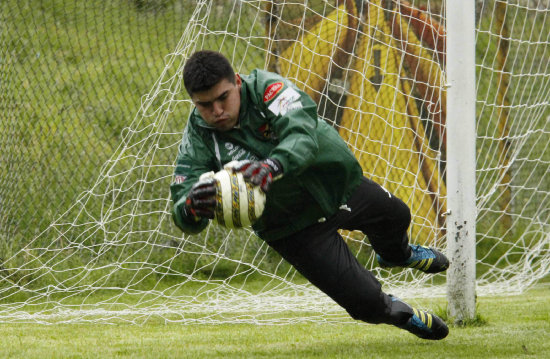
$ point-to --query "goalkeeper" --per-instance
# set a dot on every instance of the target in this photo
(314, 187)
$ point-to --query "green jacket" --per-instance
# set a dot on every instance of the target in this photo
(279, 121)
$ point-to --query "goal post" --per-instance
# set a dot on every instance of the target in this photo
(461, 164)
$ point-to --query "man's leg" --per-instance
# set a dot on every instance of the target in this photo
(385, 219)
(320, 254)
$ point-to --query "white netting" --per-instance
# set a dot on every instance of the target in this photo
(513, 128)
(377, 71)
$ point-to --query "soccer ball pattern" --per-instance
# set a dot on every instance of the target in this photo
(238, 203)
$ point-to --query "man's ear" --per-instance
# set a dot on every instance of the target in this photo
(238, 80)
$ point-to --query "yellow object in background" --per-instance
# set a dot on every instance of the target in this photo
(381, 122)
(307, 61)
(387, 75)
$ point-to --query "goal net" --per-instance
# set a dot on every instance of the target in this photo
(377, 71)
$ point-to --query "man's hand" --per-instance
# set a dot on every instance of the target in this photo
(201, 201)
(260, 173)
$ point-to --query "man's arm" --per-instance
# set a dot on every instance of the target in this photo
(193, 160)
(293, 117)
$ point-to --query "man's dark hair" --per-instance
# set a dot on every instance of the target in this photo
(204, 69)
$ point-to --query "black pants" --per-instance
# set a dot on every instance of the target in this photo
(320, 254)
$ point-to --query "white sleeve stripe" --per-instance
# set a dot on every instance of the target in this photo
(217, 149)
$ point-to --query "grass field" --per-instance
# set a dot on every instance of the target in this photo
(510, 327)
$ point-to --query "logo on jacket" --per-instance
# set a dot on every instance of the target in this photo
(237, 153)
(272, 90)
(266, 132)
(288, 100)
(179, 179)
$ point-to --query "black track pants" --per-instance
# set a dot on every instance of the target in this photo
(320, 254)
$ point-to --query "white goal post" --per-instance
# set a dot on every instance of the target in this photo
(444, 103)
(461, 147)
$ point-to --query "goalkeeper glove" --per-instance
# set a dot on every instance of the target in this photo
(201, 201)
(261, 173)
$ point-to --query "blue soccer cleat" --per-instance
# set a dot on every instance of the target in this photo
(428, 260)
(418, 322)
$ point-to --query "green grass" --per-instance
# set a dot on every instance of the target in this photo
(511, 327)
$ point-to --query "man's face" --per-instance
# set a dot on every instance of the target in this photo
(219, 106)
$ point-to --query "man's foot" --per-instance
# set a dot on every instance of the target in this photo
(428, 260)
(418, 322)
